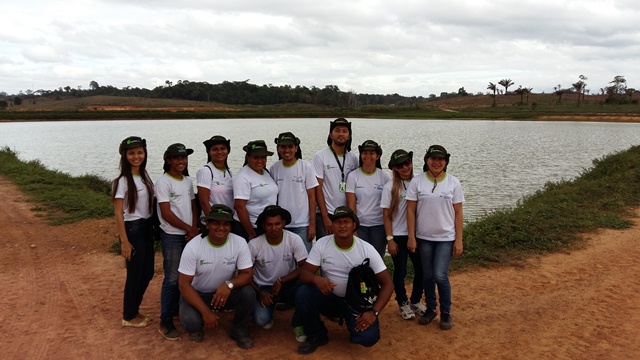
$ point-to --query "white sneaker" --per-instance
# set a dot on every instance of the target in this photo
(406, 312)
(269, 325)
(418, 308)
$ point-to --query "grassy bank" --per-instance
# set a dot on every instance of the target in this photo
(549, 220)
(58, 197)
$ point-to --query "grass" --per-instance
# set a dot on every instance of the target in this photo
(60, 198)
(552, 219)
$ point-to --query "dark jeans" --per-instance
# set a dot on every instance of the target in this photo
(375, 236)
(242, 300)
(436, 256)
(400, 272)
(139, 268)
(310, 303)
(320, 230)
(262, 316)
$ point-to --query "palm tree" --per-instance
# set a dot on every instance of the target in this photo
(493, 88)
(559, 91)
(579, 88)
(506, 83)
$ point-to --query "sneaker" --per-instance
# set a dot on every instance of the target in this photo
(269, 325)
(418, 308)
(300, 336)
(429, 316)
(310, 345)
(168, 330)
(197, 336)
(242, 340)
(406, 312)
(445, 321)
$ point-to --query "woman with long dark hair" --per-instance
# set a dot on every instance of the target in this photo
(214, 179)
(132, 197)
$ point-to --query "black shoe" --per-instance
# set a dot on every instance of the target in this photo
(445, 321)
(168, 330)
(284, 306)
(428, 317)
(310, 345)
(242, 340)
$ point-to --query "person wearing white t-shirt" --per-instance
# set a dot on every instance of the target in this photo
(215, 269)
(434, 218)
(178, 223)
(214, 179)
(253, 189)
(296, 187)
(335, 255)
(133, 205)
(332, 165)
(277, 257)
(394, 209)
(364, 190)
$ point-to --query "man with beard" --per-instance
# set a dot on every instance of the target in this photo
(332, 165)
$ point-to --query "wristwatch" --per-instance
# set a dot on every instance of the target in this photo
(375, 312)
(390, 237)
(229, 284)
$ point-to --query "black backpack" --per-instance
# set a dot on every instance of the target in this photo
(362, 289)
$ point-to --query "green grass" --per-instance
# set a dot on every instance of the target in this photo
(59, 197)
(549, 220)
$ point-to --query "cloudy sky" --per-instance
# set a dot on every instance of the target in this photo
(416, 47)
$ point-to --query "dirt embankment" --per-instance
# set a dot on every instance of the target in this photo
(62, 299)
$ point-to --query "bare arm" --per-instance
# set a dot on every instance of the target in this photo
(411, 224)
(322, 205)
(457, 244)
(351, 201)
(173, 220)
(311, 195)
(203, 198)
(308, 276)
(392, 247)
(125, 246)
(243, 215)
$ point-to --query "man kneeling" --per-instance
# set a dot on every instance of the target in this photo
(206, 282)
(336, 255)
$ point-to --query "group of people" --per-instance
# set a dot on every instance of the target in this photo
(287, 236)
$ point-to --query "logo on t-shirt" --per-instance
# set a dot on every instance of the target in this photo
(327, 261)
(298, 179)
(265, 261)
(204, 262)
(229, 261)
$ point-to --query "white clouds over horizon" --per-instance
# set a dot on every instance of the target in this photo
(406, 47)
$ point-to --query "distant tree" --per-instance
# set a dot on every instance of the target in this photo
(493, 88)
(169, 83)
(462, 92)
(432, 96)
(67, 88)
(17, 100)
(617, 91)
(579, 87)
(559, 91)
(506, 83)
(629, 92)
(520, 91)
(3, 104)
(93, 85)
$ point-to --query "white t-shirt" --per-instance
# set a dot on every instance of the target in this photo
(293, 182)
(336, 263)
(211, 265)
(327, 169)
(178, 193)
(259, 191)
(368, 191)
(142, 210)
(399, 218)
(272, 262)
(435, 217)
(219, 183)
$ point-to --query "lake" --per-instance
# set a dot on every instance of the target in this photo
(497, 162)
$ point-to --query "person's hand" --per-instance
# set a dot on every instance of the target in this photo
(277, 286)
(266, 299)
(220, 297)
(126, 249)
(192, 232)
(327, 224)
(251, 233)
(364, 320)
(392, 247)
(210, 320)
(324, 285)
(412, 244)
(457, 248)
(311, 233)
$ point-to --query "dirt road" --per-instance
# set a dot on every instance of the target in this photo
(62, 299)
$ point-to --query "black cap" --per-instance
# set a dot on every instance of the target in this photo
(257, 148)
(400, 156)
(132, 142)
(217, 139)
(287, 138)
(177, 149)
(273, 210)
(219, 212)
(344, 211)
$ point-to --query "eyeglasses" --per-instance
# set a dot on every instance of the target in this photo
(404, 164)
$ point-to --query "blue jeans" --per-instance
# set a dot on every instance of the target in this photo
(263, 315)
(400, 272)
(139, 268)
(241, 300)
(310, 303)
(375, 236)
(303, 232)
(172, 246)
(436, 256)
